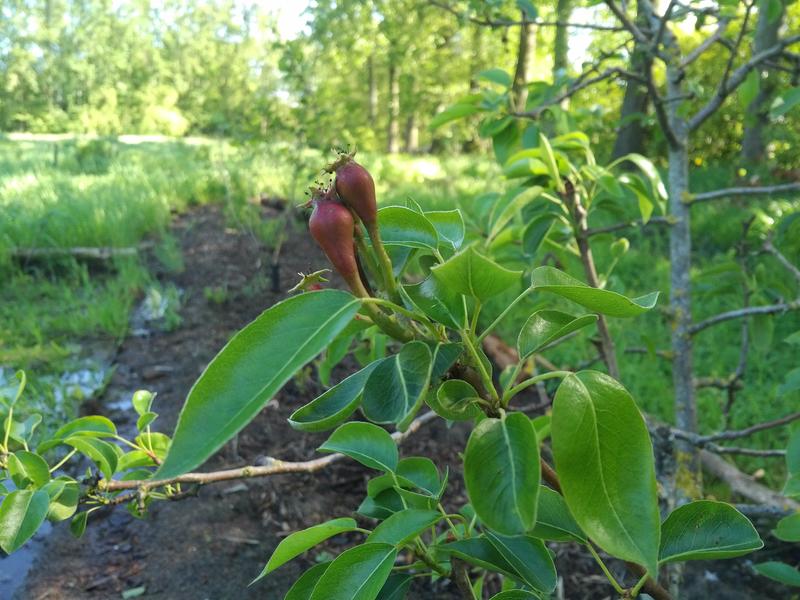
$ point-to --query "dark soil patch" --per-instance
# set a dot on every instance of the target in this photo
(212, 546)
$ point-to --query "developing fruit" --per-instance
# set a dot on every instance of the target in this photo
(356, 188)
(331, 225)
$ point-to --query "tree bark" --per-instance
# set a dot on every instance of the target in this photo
(527, 43)
(393, 130)
(631, 135)
(754, 142)
(411, 144)
(372, 100)
(561, 42)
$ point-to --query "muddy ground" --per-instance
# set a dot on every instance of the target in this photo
(212, 546)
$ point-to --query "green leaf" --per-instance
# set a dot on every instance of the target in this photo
(779, 571)
(27, 468)
(304, 586)
(91, 426)
(396, 587)
(545, 327)
(78, 524)
(145, 420)
(553, 520)
(248, 371)
(649, 170)
(791, 382)
(535, 232)
(749, 88)
(21, 514)
(604, 457)
(502, 473)
(472, 274)
(422, 472)
(335, 405)
(64, 494)
(357, 574)
(401, 226)
(515, 595)
(513, 208)
(498, 76)
(440, 302)
(449, 225)
(455, 400)
(706, 530)
(102, 453)
(444, 356)
(480, 552)
(788, 528)
(454, 113)
(529, 557)
(396, 388)
(370, 445)
(548, 279)
(142, 401)
(295, 544)
(785, 102)
(403, 526)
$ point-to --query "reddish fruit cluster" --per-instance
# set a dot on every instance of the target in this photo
(356, 188)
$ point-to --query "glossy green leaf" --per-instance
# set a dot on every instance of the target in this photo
(529, 557)
(395, 389)
(788, 528)
(396, 587)
(545, 327)
(515, 595)
(64, 494)
(604, 458)
(454, 113)
(300, 541)
(304, 586)
(511, 209)
(420, 471)
(403, 526)
(480, 552)
(21, 514)
(91, 426)
(548, 279)
(401, 226)
(335, 405)
(102, 453)
(535, 232)
(455, 400)
(778, 571)
(498, 76)
(77, 526)
(144, 421)
(553, 520)
(438, 301)
(706, 530)
(444, 356)
(449, 224)
(748, 90)
(370, 445)
(381, 506)
(27, 468)
(142, 401)
(250, 369)
(502, 473)
(155, 441)
(472, 274)
(357, 574)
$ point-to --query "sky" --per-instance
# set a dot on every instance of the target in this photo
(290, 15)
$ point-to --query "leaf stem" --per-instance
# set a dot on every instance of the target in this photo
(485, 377)
(635, 590)
(507, 310)
(605, 570)
(60, 463)
(508, 395)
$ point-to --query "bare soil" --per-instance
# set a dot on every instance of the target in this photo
(212, 546)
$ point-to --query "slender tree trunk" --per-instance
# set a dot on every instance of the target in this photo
(561, 42)
(630, 137)
(372, 107)
(412, 125)
(393, 132)
(527, 43)
(754, 143)
(477, 57)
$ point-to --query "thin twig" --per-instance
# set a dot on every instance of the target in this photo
(706, 44)
(767, 190)
(740, 433)
(637, 223)
(769, 309)
(769, 247)
(273, 466)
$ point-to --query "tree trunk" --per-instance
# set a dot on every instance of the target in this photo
(754, 143)
(393, 131)
(630, 137)
(412, 124)
(527, 43)
(561, 43)
(372, 106)
(477, 58)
